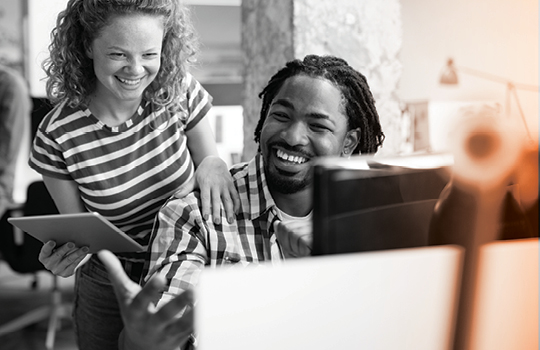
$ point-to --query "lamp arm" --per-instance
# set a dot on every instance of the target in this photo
(514, 92)
(496, 78)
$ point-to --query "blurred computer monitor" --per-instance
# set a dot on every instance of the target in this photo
(368, 203)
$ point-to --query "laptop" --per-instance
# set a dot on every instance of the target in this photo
(396, 299)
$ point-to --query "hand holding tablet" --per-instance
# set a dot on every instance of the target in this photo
(83, 229)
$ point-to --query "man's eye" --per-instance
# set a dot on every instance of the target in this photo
(280, 116)
(320, 127)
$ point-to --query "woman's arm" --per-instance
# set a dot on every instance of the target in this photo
(65, 195)
(211, 174)
(62, 261)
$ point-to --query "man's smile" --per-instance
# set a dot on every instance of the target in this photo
(290, 157)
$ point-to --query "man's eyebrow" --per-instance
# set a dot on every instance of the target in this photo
(285, 103)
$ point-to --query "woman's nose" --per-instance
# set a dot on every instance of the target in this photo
(135, 67)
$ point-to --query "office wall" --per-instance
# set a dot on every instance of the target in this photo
(496, 36)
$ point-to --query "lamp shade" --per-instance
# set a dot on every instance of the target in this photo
(449, 74)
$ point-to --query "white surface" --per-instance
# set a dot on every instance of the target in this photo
(443, 118)
(41, 20)
(232, 136)
(506, 307)
(400, 299)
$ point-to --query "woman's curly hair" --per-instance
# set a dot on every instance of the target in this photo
(358, 100)
(70, 71)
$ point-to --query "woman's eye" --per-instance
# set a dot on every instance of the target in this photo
(151, 55)
(117, 55)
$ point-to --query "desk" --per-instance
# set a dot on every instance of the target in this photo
(398, 299)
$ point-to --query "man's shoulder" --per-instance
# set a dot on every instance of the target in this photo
(239, 170)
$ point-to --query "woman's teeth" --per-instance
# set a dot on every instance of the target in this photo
(290, 158)
(129, 81)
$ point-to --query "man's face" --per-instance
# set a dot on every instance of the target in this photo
(305, 120)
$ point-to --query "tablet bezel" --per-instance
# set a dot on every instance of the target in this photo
(84, 229)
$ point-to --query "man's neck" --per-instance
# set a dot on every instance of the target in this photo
(297, 204)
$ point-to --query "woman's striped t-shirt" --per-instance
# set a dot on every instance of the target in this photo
(125, 172)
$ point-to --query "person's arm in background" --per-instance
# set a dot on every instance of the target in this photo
(63, 260)
(211, 175)
(15, 111)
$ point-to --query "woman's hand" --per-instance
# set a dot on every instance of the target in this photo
(215, 183)
(64, 260)
(216, 186)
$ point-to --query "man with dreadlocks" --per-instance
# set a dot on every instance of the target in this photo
(318, 106)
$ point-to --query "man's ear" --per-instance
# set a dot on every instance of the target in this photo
(351, 141)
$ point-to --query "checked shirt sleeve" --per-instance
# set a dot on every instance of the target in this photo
(177, 246)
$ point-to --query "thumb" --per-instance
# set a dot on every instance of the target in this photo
(186, 188)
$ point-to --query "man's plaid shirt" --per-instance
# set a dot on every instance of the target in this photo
(182, 242)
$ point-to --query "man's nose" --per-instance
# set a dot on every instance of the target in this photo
(296, 134)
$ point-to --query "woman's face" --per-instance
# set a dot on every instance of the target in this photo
(127, 56)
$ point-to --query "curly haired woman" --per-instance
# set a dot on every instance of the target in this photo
(127, 131)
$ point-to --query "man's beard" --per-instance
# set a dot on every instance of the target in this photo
(284, 184)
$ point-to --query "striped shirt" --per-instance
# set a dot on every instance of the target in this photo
(183, 242)
(125, 172)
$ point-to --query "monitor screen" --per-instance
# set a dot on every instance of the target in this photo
(367, 203)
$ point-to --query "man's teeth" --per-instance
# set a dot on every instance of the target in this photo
(291, 158)
(129, 81)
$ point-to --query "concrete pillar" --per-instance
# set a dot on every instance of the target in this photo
(366, 33)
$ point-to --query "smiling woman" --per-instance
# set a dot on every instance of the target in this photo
(126, 61)
(129, 128)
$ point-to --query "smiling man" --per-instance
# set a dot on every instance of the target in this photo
(318, 106)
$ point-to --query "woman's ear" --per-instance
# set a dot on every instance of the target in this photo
(89, 53)
(351, 141)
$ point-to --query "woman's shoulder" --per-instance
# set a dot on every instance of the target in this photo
(60, 116)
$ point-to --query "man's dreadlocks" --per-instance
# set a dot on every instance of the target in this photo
(359, 102)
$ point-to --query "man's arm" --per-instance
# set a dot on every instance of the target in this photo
(177, 247)
(144, 326)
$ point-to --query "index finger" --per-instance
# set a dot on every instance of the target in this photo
(117, 275)
(47, 249)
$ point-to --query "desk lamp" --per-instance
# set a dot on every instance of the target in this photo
(449, 76)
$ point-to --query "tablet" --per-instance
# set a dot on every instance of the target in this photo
(83, 229)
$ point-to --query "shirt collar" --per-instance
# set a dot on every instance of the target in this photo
(260, 198)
